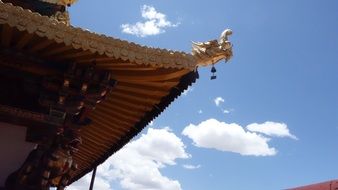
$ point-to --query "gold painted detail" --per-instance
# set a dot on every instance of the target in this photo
(60, 2)
(43, 26)
(62, 17)
(210, 52)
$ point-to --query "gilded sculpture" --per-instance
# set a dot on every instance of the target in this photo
(210, 52)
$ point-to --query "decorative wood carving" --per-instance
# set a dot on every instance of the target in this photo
(48, 165)
(69, 98)
(61, 2)
(80, 87)
(44, 7)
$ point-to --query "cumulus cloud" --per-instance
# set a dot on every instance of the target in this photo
(84, 182)
(218, 101)
(191, 167)
(155, 23)
(137, 166)
(271, 129)
(228, 137)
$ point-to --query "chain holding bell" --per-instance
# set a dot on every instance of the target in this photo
(213, 71)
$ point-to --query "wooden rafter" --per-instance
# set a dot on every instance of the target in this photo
(23, 40)
(122, 109)
(111, 127)
(72, 55)
(123, 128)
(39, 46)
(56, 51)
(136, 100)
(120, 114)
(128, 104)
(157, 84)
(6, 35)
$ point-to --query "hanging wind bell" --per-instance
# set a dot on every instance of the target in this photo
(213, 71)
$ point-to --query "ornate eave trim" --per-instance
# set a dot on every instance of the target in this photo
(61, 2)
(43, 26)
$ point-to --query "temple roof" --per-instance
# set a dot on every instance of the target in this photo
(148, 79)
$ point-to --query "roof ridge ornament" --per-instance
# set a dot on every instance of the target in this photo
(210, 52)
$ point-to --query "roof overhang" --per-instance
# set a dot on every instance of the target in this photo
(148, 79)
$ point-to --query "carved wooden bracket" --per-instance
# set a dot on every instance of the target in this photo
(80, 88)
(69, 97)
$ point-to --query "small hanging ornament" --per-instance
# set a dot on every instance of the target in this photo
(213, 71)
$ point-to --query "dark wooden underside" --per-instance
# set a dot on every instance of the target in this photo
(142, 92)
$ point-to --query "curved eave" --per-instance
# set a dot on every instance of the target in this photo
(93, 131)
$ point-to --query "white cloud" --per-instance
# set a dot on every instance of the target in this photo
(271, 129)
(84, 182)
(191, 167)
(189, 89)
(228, 137)
(137, 166)
(226, 111)
(218, 101)
(155, 23)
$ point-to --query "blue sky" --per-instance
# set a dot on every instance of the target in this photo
(284, 72)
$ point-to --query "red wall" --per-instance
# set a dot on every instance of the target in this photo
(329, 185)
